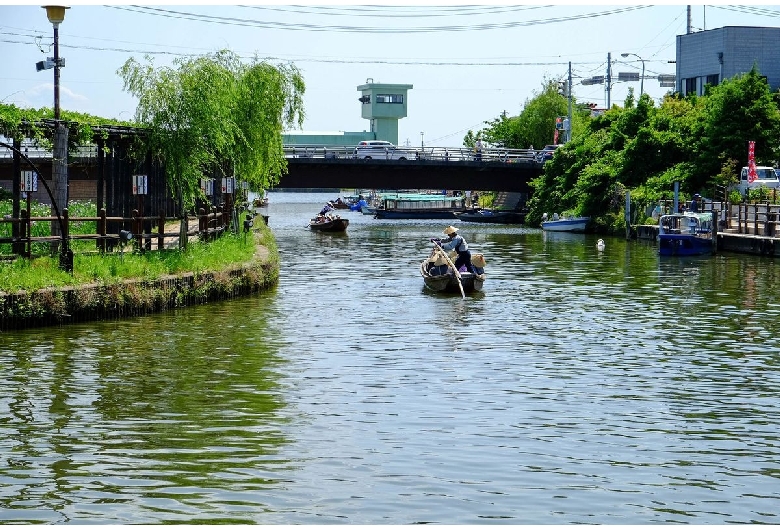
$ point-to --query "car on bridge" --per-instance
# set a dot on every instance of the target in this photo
(547, 153)
(381, 150)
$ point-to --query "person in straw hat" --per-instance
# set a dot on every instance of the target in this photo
(459, 245)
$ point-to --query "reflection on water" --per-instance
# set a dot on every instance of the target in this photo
(580, 387)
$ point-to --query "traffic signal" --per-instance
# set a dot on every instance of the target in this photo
(563, 88)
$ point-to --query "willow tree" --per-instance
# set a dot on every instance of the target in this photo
(216, 112)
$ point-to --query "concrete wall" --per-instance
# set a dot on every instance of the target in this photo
(727, 52)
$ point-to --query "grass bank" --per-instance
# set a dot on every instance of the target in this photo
(36, 292)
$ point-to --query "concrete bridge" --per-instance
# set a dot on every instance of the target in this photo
(508, 170)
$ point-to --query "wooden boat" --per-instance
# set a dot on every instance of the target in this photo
(566, 224)
(491, 216)
(329, 223)
(419, 206)
(440, 277)
(685, 234)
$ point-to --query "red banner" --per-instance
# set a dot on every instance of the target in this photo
(752, 161)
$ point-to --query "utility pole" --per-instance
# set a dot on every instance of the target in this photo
(609, 80)
(568, 130)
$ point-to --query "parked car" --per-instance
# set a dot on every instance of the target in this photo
(381, 150)
(546, 153)
(767, 177)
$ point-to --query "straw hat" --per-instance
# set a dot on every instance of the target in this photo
(450, 230)
(438, 259)
(478, 260)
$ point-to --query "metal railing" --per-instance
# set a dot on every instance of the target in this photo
(439, 154)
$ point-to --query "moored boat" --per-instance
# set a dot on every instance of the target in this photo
(685, 234)
(566, 224)
(419, 206)
(491, 216)
(439, 275)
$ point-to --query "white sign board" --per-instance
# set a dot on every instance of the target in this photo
(29, 181)
(207, 187)
(140, 185)
(228, 185)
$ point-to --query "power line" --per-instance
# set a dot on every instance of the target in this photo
(397, 11)
(363, 29)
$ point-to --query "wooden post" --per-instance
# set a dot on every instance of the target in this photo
(161, 231)
(755, 219)
(137, 232)
(715, 221)
(102, 226)
(25, 232)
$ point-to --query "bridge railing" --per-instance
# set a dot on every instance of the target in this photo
(440, 154)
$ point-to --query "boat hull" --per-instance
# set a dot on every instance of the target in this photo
(686, 234)
(575, 224)
(487, 216)
(335, 225)
(448, 283)
(683, 245)
(408, 213)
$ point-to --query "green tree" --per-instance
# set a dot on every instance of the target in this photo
(216, 113)
(735, 112)
(535, 125)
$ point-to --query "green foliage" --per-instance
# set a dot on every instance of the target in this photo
(736, 111)
(536, 123)
(700, 142)
(216, 113)
(37, 124)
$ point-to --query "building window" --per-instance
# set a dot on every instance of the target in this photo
(389, 98)
(712, 79)
(690, 86)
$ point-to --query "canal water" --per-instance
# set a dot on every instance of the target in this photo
(581, 386)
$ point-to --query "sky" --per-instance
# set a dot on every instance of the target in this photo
(467, 63)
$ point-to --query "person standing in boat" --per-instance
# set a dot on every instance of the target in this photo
(459, 245)
(695, 203)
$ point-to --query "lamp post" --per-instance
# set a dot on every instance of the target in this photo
(56, 14)
(642, 79)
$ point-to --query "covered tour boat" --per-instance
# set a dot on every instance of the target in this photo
(686, 234)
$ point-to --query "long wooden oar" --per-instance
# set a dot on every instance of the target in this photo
(451, 264)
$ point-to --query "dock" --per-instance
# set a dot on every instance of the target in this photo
(746, 229)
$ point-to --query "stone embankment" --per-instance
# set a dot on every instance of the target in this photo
(137, 297)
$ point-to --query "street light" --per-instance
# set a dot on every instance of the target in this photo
(642, 81)
(56, 14)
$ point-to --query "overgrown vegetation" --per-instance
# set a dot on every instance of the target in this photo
(700, 142)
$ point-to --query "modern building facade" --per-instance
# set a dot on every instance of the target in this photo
(382, 104)
(709, 57)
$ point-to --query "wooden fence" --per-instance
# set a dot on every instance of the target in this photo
(211, 223)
